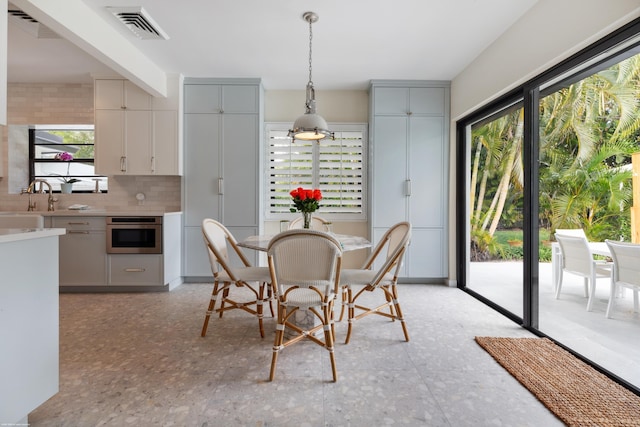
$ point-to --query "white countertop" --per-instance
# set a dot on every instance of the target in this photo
(92, 212)
(15, 234)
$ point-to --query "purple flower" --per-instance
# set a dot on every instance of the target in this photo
(64, 156)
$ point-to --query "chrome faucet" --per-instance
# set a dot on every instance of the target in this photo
(32, 190)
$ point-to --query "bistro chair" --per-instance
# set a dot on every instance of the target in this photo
(379, 272)
(305, 275)
(577, 259)
(317, 223)
(626, 271)
(220, 244)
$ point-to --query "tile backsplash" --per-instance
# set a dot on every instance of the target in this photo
(73, 104)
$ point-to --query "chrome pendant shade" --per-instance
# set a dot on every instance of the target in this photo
(310, 126)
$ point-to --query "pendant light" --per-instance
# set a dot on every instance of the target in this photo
(310, 126)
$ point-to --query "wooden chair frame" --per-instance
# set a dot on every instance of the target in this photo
(385, 279)
(288, 282)
(225, 277)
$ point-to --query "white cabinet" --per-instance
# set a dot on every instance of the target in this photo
(118, 94)
(136, 134)
(135, 270)
(222, 162)
(409, 169)
(85, 265)
(83, 257)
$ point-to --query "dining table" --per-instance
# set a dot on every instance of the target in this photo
(347, 242)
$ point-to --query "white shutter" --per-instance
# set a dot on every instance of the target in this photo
(336, 167)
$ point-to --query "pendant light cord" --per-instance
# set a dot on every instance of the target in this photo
(310, 49)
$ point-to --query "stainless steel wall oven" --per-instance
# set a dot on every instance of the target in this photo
(134, 235)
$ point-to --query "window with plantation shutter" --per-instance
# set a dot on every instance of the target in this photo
(336, 167)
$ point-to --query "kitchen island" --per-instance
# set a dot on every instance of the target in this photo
(29, 321)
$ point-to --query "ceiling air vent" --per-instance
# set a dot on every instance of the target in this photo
(139, 22)
(30, 25)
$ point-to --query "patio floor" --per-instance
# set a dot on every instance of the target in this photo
(612, 343)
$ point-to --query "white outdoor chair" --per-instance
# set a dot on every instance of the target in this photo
(577, 259)
(626, 271)
(220, 244)
(388, 253)
(575, 232)
(317, 223)
(305, 275)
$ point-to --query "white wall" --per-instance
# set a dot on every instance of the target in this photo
(550, 32)
(341, 106)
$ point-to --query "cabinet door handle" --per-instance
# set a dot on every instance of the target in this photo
(220, 186)
(408, 187)
(135, 270)
(77, 232)
(77, 223)
(153, 164)
(123, 164)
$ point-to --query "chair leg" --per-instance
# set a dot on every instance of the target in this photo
(259, 308)
(277, 343)
(559, 284)
(399, 314)
(612, 297)
(212, 304)
(328, 339)
(586, 288)
(344, 295)
(270, 297)
(351, 314)
(592, 292)
(225, 295)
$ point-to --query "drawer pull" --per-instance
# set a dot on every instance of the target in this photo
(135, 270)
(78, 223)
(77, 232)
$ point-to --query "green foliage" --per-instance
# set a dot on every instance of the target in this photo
(81, 140)
(588, 131)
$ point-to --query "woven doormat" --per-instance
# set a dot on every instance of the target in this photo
(574, 391)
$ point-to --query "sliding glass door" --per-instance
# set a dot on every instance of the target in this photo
(495, 215)
(551, 156)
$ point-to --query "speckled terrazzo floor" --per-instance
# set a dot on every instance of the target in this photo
(139, 360)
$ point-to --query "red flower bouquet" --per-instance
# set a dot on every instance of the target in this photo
(306, 200)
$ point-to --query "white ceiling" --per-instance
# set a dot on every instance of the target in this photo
(354, 41)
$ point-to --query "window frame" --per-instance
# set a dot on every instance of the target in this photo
(55, 181)
(337, 128)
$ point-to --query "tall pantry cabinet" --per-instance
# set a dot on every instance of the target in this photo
(409, 169)
(222, 143)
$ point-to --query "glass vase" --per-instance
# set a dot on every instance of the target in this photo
(306, 216)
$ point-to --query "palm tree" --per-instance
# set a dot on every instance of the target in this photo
(588, 131)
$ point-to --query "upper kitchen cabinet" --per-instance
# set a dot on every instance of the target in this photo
(222, 121)
(118, 94)
(136, 133)
(409, 169)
